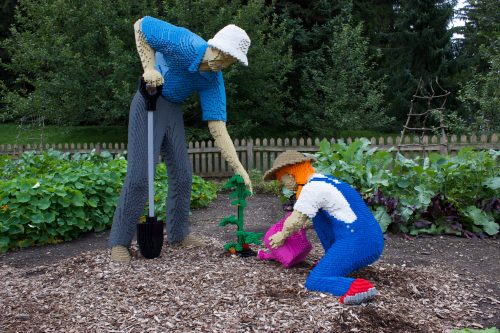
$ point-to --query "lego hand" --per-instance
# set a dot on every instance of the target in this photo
(153, 77)
(277, 239)
(225, 144)
(293, 223)
(244, 174)
(151, 94)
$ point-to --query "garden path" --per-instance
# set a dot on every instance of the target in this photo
(426, 284)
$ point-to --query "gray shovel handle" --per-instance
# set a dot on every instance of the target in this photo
(151, 167)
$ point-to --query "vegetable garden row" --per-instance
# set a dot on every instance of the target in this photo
(52, 197)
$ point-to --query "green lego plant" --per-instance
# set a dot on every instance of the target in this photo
(245, 238)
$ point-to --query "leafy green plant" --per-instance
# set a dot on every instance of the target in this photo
(52, 197)
(472, 330)
(261, 186)
(439, 194)
(202, 192)
(245, 238)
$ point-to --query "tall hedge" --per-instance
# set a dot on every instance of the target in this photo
(75, 61)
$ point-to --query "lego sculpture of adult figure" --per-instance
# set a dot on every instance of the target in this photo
(182, 63)
(348, 231)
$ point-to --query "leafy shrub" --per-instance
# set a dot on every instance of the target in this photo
(51, 197)
(202, 192)
(439, 194)
(261, 186)
(62, 49)
(472, 330)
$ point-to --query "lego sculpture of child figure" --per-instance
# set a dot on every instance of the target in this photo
(348, 231)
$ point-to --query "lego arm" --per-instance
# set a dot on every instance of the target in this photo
(225, 144)
(293, 223)
(147, 55)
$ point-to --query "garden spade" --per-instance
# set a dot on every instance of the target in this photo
(150, 233)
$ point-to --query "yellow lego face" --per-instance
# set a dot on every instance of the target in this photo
(216, 60)
(289, 182)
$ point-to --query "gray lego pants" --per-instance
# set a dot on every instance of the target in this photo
(170, 142)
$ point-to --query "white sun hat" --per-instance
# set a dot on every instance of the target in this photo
(232, 40)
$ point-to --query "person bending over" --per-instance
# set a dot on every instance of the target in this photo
(181, 63)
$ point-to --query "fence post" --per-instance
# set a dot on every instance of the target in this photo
(250, 154)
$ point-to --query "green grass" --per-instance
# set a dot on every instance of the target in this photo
(363, 134)
(14, 134)
(334, 134)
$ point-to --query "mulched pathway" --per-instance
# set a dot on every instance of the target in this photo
(426, 284)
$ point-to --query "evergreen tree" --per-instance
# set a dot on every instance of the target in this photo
(333, 80)
(419, 47)
(336, 89)
(74, 61)
(480, 61)
(378, 18)
(257, 94)
(7, 8)
(482, 21)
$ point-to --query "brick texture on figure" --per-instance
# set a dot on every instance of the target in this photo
(345, 226)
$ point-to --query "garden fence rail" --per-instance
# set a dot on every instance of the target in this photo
(259, 154)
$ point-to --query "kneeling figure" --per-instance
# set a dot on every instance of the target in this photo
(348, 231)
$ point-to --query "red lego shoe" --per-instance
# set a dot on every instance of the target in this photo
(360, 291)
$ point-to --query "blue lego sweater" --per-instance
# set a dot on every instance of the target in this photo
(178, 55)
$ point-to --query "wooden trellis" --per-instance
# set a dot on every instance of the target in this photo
(35, 125)
(418, 121)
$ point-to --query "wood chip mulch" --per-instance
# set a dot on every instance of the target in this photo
(207, 290)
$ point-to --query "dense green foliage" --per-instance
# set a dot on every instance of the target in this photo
(51, 197)
(418, 47)
(316, 67)
(202, 192)
(480, 61)
(74, 60)
(6, 19)
(437, 194)
(257, 94)
(336, 88)
(473, 330)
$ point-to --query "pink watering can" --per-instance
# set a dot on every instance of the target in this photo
(293, 251)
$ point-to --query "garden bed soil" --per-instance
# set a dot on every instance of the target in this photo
(426, 284)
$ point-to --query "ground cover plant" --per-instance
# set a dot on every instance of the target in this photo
(438, 194)
(53, 197)
(471, 330)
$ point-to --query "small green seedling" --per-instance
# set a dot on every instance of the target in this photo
(245, 238)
